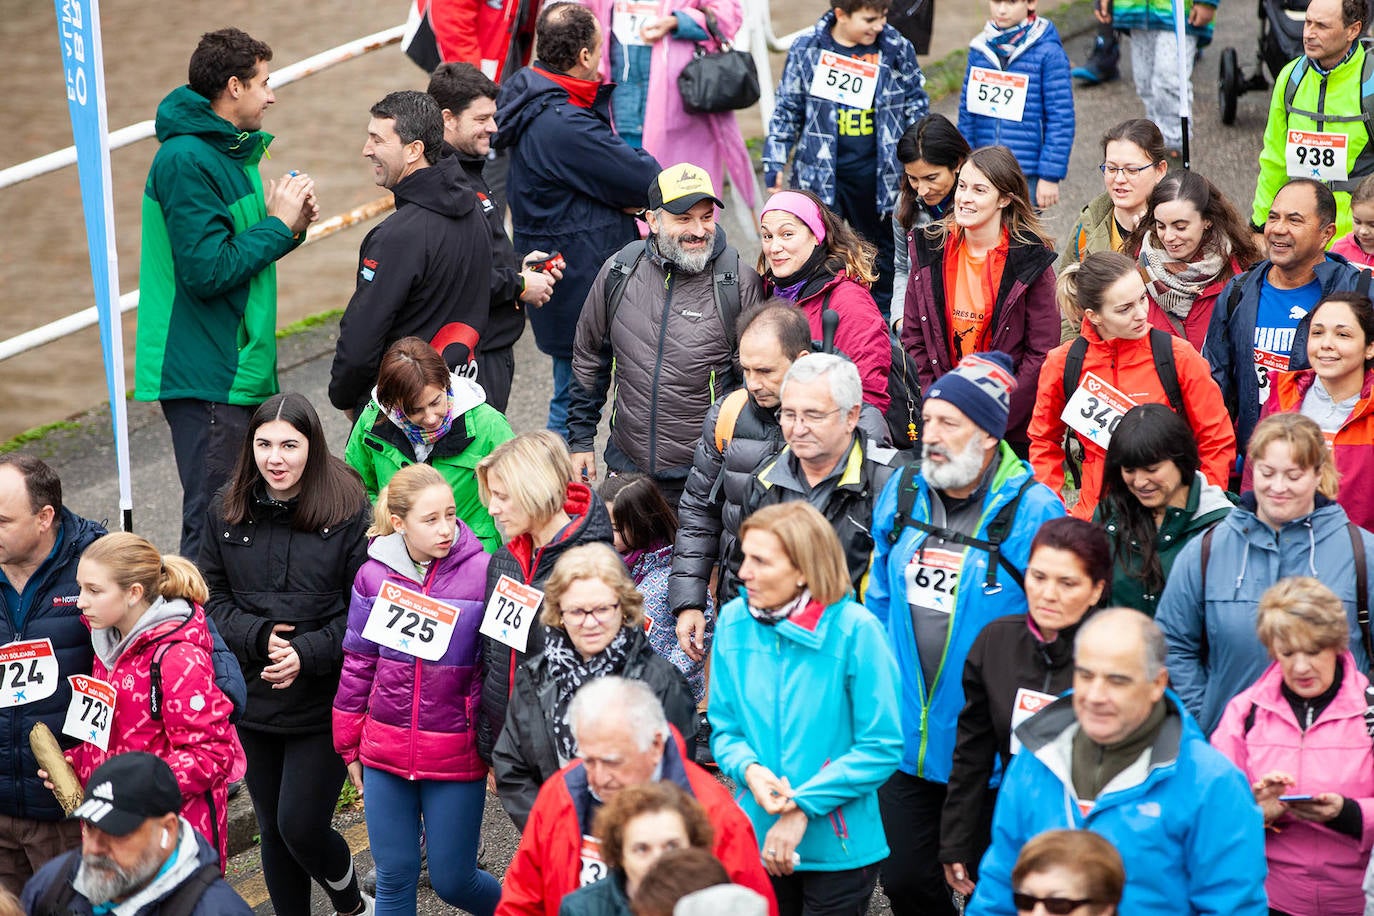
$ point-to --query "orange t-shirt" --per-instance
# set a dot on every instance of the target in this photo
(971, 284)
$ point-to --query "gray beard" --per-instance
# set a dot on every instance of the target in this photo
(100, 880)
(690, 262)
(957, 471)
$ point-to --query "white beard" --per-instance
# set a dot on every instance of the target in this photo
(956, 471)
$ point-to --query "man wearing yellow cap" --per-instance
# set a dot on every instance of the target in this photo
(662, 312)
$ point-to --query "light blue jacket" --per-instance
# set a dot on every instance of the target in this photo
(813, 699)
(929, 720)
(1214, 652)
(1184, 820)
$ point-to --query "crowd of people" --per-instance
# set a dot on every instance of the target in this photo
(929, 552)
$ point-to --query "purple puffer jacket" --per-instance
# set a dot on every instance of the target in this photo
(398, 713)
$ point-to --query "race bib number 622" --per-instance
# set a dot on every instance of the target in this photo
(28, 672)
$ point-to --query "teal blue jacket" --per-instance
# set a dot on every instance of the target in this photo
(814, 699)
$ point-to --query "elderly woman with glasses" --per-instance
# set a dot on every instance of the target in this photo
(595, 621)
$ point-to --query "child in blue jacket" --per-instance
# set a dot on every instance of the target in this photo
(849, 90)
(1018, 93)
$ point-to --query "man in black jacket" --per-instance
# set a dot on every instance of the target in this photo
(468, 102)
(425, 271)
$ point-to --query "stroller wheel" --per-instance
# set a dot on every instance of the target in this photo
(1229, 86)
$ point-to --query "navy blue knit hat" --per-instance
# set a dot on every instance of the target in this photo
(981, 387)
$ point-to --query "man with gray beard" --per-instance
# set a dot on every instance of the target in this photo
(137, 855)
(951, 544)
(662, 313)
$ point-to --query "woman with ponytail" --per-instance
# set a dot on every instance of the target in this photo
(403, 721)
(145, 613)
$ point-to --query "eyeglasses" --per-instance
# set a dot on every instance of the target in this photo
(809, 417)
(1057, 906)
(1129, 172)
(579, 615)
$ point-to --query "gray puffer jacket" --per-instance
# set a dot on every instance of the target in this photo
(671, 355)
(712, 505)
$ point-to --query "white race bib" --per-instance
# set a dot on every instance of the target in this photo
(1095, 409)
(1313, 154)
(1027, 703)
(511, 612)
(90, 711)
(995, 94)
(1266, 364)
(845, 80)
(629, 16)
(410, 622)
(931, 578)
(28, 672)
(593, 866)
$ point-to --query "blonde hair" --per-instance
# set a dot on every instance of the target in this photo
(399, 495)
(811, 546)
(131, 560)
(591, 561)
(1305, 441)
(536, 467)
(1301, 614)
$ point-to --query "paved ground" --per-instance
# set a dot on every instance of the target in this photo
(84, 457)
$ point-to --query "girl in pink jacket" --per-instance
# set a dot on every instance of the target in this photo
(1299, 733)
(144, 610)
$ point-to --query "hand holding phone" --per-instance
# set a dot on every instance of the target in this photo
(1297, 799)
(554, 260)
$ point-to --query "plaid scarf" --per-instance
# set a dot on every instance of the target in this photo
(570, 671)
(1004, 41)
(1175, 284)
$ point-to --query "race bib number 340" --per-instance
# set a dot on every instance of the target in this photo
(845, 80)
(1313, 154)
(996, 94)
(28, 672)
(410, 622)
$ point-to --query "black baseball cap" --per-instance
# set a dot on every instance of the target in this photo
(679, 188)
(126, 790)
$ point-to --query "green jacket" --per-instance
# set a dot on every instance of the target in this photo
(1335, 94)
(377, 449)
(1207, 504)
(1093, 233)
(207, 312)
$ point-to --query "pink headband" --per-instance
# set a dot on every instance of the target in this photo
(802, 207)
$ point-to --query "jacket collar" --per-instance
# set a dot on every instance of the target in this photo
(1350, 701)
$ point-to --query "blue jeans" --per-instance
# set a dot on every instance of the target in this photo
(452, 815)
(562, 395)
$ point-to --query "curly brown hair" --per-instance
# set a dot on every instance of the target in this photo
(649, 798)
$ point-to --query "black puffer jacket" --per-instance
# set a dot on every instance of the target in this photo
(526, 753)
(1005, 657)
(590, 523)
(52, 615)
(711, 508)
(261, 572)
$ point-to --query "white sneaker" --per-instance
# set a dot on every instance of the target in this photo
(369, 907)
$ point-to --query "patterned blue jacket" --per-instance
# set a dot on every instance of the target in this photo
(812, 125)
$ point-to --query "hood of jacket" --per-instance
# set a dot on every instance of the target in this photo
(186, 112)
(441, 188)
(589, 522)
(390, 551)
(1326, 520)
(109, 644)
(526, 93)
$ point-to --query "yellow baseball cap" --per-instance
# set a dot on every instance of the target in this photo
(679, 188)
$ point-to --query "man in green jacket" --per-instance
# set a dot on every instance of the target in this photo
(207, 318)
(1316, 123)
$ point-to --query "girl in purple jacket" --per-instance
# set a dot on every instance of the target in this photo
(410, 689)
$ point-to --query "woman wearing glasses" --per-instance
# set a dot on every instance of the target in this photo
(595, 628)
(1063, 872)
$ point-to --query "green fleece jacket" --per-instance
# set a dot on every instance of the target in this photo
(207, 312)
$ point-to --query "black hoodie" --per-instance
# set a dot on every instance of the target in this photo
(424, 272)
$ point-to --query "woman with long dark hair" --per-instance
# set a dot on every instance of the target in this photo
(286, 538)
(931, 152)
(1155, 499)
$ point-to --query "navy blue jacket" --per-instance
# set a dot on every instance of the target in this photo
(1042, 139)
(53, 615)
(575, 177)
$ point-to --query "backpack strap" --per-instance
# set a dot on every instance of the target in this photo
(730, 409)
(906, 501)
(725, 290)
(997, 532)
(1237, 284)
(1073, 365)
(60, 893)
(1206, 557)
(183, 900)
(1162, 349)
(1361, 589)
(155, 694)
(1362, 284)
(623, 264)
(1249, 722)
(828, 334)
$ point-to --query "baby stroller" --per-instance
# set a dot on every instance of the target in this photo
(1280, 41)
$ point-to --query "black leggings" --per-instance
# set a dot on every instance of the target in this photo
(295, 782)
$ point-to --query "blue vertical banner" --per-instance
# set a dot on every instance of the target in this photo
(83, 66)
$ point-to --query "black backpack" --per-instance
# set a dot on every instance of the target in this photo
(56, 900)
(903, 414)
(1161, 348)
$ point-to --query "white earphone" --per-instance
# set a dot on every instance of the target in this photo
(164, 838)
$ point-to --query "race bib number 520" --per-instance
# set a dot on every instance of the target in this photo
(845, 80)
(28, 672)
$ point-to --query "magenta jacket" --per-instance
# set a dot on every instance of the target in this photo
(1312, 869)
(1025, 319)
(398, 713)
(861, 335)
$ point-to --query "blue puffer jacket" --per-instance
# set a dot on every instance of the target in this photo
(575, 178)
(1214, 653)
(814, 699)
(812, 124)
(930, 749)
(52, 615)
(1185, 823)
(1230, 344)
(1043, 137)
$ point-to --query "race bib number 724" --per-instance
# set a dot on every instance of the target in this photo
(28, 672)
